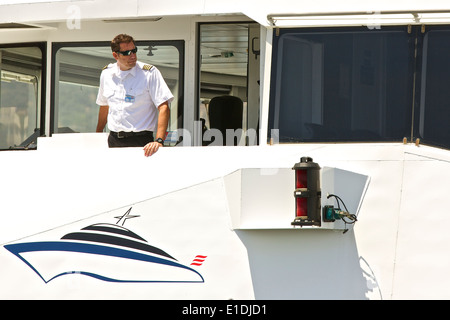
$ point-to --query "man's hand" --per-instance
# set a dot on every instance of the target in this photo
(151, 147)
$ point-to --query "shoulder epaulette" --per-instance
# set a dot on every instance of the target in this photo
(105, 67)
(147, 67)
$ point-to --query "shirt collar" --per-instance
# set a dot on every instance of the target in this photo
(120, 74)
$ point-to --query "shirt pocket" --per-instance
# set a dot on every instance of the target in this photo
(137, 91)
(140, 95)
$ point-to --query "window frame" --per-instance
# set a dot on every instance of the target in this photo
(421, 90)
(416, 49)
(312, 32)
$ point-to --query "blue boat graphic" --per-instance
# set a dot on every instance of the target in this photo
(108, 252)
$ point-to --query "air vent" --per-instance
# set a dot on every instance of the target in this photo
(145, 19)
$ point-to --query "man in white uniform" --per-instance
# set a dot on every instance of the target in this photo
(134, 100)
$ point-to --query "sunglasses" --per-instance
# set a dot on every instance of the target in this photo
(128, 52)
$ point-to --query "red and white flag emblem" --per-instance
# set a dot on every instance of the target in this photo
(198, 260)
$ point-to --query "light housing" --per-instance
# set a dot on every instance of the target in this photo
(307, 193)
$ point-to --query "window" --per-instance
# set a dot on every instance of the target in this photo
(434, 115)
(77, 75)
(359, 84)
(20, 96)
(228, 83)
(342, 85)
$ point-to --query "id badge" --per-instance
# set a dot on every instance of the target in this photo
(129, 98)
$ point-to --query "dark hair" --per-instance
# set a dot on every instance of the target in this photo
(121, 38)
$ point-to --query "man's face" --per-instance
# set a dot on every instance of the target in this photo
(126, 62)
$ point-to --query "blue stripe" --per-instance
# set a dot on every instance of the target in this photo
(18, 248)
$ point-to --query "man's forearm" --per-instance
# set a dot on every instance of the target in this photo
(102, 118)
(163, 120)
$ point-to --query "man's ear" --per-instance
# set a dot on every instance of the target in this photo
(115, 55)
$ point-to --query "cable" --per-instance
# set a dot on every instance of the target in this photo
(345, 213)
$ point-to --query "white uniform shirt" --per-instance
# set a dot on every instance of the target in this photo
(132, 96)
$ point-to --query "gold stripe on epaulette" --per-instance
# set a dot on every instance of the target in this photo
(105, 67)
(147, 67)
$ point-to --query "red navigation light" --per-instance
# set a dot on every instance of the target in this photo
(307, 193)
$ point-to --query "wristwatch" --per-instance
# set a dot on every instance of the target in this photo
(161, 141)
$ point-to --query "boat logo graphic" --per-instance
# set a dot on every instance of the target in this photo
(107, 252)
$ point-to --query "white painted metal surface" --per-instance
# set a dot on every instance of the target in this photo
(183, 197)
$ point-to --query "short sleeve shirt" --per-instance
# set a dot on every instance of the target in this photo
(133, 96)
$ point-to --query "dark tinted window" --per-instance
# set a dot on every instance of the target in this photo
(433, 125)
(342, 85)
